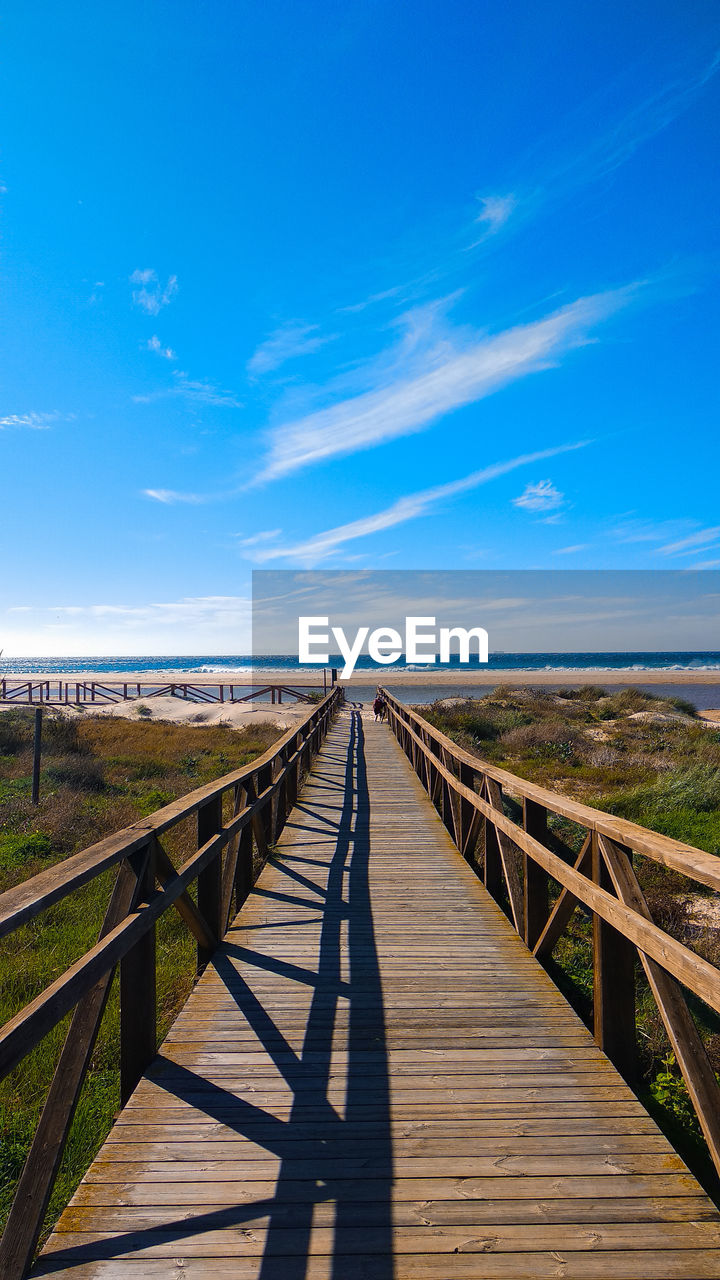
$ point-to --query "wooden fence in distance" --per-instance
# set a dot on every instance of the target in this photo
(232, 838)
(518, 860)
(63, 692)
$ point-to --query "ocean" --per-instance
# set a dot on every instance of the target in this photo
(244, 664)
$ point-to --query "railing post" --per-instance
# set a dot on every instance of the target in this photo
(293, 779)
(535, 880)
(492, 871)
(265, 817)
(209, 822)
(138, 1000)
(467, 812)
(613, 981)
(281, 803)
(244, 868)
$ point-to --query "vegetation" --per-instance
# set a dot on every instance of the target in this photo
(647, 759)
(98, 775)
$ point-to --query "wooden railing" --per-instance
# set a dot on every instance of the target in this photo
(518, 860)
(232, 840)
(60, 691)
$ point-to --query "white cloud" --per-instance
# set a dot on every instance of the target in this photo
(570, 551)
(629, 531)
(542, 496)
(200, 391)
(322, 545)
(170, 496)
(33, 421)
(266, 535)
(436, 376)
(495, 211)
(694, 542)
(154, 344)
(286, 343)
(152, 296)
(193, 624)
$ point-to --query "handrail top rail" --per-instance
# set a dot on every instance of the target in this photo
(17, 905)
(695, 863)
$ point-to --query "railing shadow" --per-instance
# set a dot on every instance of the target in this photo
(326, 1156)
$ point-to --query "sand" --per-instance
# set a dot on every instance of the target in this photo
(284, 715)
(237, 715)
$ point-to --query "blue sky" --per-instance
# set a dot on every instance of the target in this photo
(372, 285)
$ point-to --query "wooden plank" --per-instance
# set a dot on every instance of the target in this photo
(663, 1264)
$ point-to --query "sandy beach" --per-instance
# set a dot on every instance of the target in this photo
(424, 686)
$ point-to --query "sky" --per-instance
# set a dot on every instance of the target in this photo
(362, 286)
(522, 611)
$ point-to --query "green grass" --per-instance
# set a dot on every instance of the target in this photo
(98, 775)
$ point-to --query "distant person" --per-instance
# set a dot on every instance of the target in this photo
(379, 707)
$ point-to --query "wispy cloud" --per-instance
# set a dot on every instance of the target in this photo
(154, 344)
(631, 530)
(150, 294)
(436, 377)
(571, 551)
(568, 166)
(31, 421)
(542, 496)
(286, 343)
(494, 212)
(265, 535)
(693, 542)
(201, 391)
(169, 497)
(649, 117)
(200, 624)
(322, 545)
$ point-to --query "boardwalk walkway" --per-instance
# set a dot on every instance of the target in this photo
(375, 1079)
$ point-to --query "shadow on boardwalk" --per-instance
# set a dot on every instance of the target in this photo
(359, 1139)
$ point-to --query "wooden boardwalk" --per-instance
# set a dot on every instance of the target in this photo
(375, 1079)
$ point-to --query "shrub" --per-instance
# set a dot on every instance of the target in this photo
(61, 737)
(548, 740)
(585, 693)
(668, 1089)
(682, 704)
(83, 774)
(16, 731)
(696, 788)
